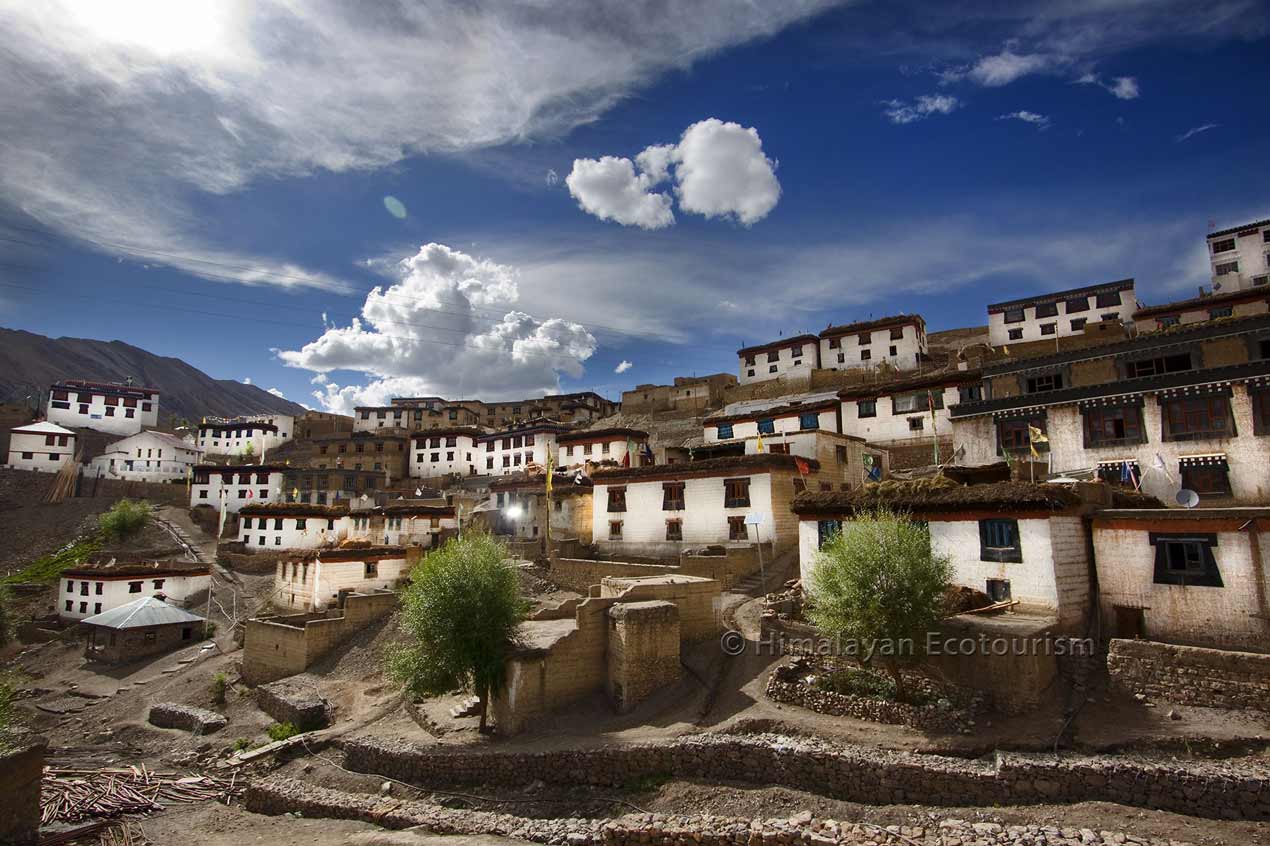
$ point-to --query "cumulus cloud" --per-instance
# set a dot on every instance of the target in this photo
(718, 168)
(277, 393)
(623, 366)
(1007, 66)
(246, 380)
(209, 97)
(399, 342)
(1037, 120)
(1195, 130)
(901, 112)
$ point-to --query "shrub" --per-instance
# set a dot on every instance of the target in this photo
(242, 744)
(125, 518)
(219, 685)
(281, 731)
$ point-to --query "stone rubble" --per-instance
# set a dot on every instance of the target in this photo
(186, 717)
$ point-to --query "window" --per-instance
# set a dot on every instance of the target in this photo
(1046, 309)
(617, 499)
(674, 530)
(1015, 334)
(840, 453)
(1207, 477)
(28, 456)
(1159, 365)
(1077, 304)
(826, 529)
(1048, 328)
(897, 334)
(891, 351)
(1168, 320)
(1044, 382)
(134, 587)
(372, 570)
(800, 486)
(918, 401)
(672, 496)
(866, 355)
(301, 523)
(736, 493)
(749, 361)
(96, 607)
(999, 541)
(1014, 315)
(1220, 270)
(779, 449)
(1014, 433)
(809, 420)
(1260, 409)
(1108, 299)
(83, 607)
(864, 339)
(867, 408)
(1215, 313)
(1185, 560)
(835, 343)
(277, 523)
(99, 588)
(737, 530)
(766, 426)
(1113, 425)
(1193, 418)
(1223, 246)
(70, 605)
(970, 393)
(1078, 325)
(771, 369)
(158, 584)
(916, 424)
(615, 530)
(70, 586)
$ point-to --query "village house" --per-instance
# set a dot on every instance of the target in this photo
(94, 588)
(254, 435)
(146, 626)
(235, 487)
(148, 456)
(1238, 303)
(898, 341)
(736, 500)
(316, 486)
(383, 452)
(312, 423)
(574, 408)
(1183, 408)
(445, 452)
(1063, 313)
(793, 357)
(370, 418)
(279, 525)
(511, 450)
(687, 394)
(313, 580)
(42, 446)
(402, 523)
(1014, 541)
(1240, 256)
(624, 446)
(103, 406)
(908, 416)
(519, 506)
(1194, 577)
(428, 413)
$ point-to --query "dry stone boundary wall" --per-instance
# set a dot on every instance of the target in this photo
(1222, 790)
(1191, 675)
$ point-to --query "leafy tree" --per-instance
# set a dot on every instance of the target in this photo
(461, 612)
(125, 518)
(878, 583)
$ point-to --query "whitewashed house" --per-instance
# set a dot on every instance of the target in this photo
(403, 524)
(624, 446)
(42, 446)
(1240, 256)
(103, 406)
(1235, 303)
(237, 486)
(147, 457)
(1060, 314)
(1194, 577)
(907, 412)
(313, 581)
(898, 341)
(1010, 540)
(512, 450)
(245, 435)
(265, 526)
(789, 357)
(661, 510)
(370, 418)
(768, 417)
(95, 588)
(444, 452)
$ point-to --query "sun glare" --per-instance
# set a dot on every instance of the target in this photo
(163, 27)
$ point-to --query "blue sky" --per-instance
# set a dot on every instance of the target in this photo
(210, 182)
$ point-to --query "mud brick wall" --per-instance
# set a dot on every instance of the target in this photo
(579, 574)
(1222, 790)
(21, 769)
(277, 647)
(643, 651)
(1191, 675)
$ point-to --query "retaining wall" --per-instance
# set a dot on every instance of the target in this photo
(277, 647)
(21, 770)
(1191, 675)
(1225, 790)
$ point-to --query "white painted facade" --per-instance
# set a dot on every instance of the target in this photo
(368, 419)
(899, 419)
(245, 435)
(240, 486)
(902, 346)
(1240, 258)
(782, 423)
(83, 592)
(304, 584)
(609, 447)
(147, 457)
(401, 526)
(42, 446)
(117, 409)
(797, 356)
(261, 532)
(445, 453)
(1061, 314)
(502, 453)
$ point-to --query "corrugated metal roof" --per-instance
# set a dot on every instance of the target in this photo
(142, 613)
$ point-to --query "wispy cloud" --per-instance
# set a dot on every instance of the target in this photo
(901, 112)
(1120, 87)
(1195, 130)
(623, 366)
(1038, 120)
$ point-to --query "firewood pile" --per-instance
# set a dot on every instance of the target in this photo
(74, 795)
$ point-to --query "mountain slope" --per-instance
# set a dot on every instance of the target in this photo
(29, 363)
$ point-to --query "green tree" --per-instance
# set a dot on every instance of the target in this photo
(461, 613)
(125, 518)
(878, 583)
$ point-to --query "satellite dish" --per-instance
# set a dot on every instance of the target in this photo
(1187, 498)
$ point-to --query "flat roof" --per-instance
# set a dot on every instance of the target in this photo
(780, 345)
(741, 465)
(1235, 230)
(1056, 296)
(871, 325)
(1229, 297)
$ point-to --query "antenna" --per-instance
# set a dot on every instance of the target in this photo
(1187, 498)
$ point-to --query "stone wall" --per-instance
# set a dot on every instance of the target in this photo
(1223, 790)
(1191, 675)
(277, 647)
(21, 770)
(643, 654)
(579, 574)
(727, 565)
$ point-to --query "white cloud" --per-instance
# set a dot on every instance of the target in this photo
(1121, 87)
(1007, 66)
(400, 343)
(1037, 120)
(610, 189)
(211, 96)
(718, 168)
(623, 366)
(552, 178)
(277, 393)
(901, 112)
(246, 380)
(1196, 130)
